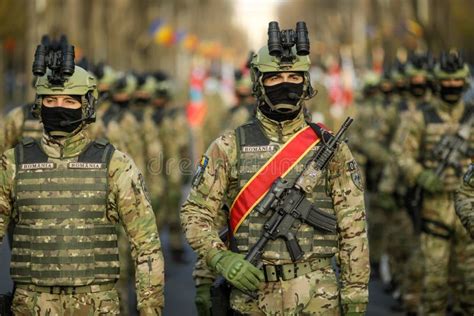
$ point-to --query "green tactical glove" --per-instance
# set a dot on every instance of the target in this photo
(203, 299)
(429, 181)
(235, 269)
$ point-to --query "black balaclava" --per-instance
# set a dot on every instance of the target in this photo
(53, 116)
(451, 95)
(418, 89)
(282, 93)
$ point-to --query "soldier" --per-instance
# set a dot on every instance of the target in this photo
(227, 175)
(143, 110)
(403, 249)
(174, 133)
(371, 143)
(419, 141)
(465, 201)
(65, 195)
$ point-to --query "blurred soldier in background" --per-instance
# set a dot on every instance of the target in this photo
(20, 123)
(370, 142)
(422, 140)
(244, 109)
(174, 133)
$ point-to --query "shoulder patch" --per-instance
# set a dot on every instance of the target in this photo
(200, 171)
(356, 176)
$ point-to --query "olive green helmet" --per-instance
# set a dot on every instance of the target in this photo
(106, 77)
(81, 83)
(125, 83)
(451, 66)
(147, 86)
(263, 62)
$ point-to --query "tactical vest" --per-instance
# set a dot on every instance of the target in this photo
(435, 129)
(254, 150)
(32, 127)
(62, 235)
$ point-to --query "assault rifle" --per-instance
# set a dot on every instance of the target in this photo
(290, 208)
(448, 152)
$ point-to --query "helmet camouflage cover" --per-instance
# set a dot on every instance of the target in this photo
(263, 62)
(81, 83)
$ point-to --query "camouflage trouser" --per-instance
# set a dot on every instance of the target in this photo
(441, 254)
(315, 293)
(400, 242)
(412, 279)
(27, 303)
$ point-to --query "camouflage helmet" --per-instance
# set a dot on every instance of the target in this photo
(262, 62)
(371, 79)
(124, 83)
(243, 81)
(106, 76)
(147, 85)
(164, 88)
(370, 83)
(451, 66)
(80, 83)
(419, 64)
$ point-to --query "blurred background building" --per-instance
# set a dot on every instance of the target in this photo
(175, 34)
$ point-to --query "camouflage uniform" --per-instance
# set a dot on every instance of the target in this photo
(175, 136)
(315, 292)
(465, 201)
(126, 203)
(416, 137)
(371, 142)
(406, 266)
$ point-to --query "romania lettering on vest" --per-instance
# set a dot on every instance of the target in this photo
(37, 165)
(252, 149)
(85, 165)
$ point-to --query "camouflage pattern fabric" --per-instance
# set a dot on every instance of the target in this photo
(127, 203)
(27, 302)
(175, 136)
(2, 135)
(415, 140)
(18, 126)
(371, 141)
(405, 262)
(218, 184)
(465, 201)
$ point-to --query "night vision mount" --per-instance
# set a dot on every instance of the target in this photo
(451, 62)
(58, 56)
(280, 43)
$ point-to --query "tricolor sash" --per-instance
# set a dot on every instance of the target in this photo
(279, 165)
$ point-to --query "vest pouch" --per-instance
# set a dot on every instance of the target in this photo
(66, 257)
(20, 268)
